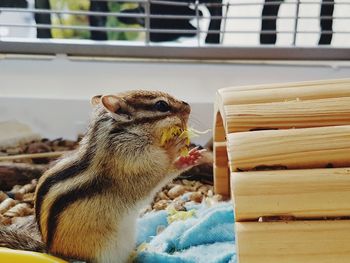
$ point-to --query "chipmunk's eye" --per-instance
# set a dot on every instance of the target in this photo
(162, 106)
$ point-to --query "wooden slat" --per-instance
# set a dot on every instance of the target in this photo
(282, 85)
(220, 167)
(292, 149)
(294, 242)
(313, 193)
(220, 154)
(221, 180)
(284, 92)
(219, 130)
(286, 115)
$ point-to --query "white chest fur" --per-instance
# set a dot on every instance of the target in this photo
(122, 242)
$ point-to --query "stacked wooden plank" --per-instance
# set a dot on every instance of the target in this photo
(285, 151)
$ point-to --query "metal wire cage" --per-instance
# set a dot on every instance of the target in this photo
(201, 29)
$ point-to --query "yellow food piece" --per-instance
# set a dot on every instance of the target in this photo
(175, 131)
(171, 133)
(142, 247)
(184, 151)
(175, 215)
(21, 256)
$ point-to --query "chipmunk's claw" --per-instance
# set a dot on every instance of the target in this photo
(192, 159)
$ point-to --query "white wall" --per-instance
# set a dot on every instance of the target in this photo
(52, 95)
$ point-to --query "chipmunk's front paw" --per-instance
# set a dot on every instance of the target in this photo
(193, 158)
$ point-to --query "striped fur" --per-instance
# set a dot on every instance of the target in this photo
(88, 202)
(71, 169)
(85, 191)
(68, 172)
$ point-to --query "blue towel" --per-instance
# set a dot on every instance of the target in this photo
(205, 234)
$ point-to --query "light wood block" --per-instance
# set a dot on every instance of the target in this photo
(313, 193)
(221, 180)
(304, 128)
(281, 92)
(221, 170)
(288, 115)
(219, 129)
(220, 154)
(294, 242)
(292, 149)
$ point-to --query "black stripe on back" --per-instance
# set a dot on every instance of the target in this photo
(90, 189)
(70, 171)
(76, 168)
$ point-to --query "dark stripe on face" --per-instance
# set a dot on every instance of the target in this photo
(88, 190)
(75, 168)
(150, 119)
(143, 120)
(143, 96)
(120, 128)
(151, 107)
(144, 106)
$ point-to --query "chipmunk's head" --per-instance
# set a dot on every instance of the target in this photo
(141, 112)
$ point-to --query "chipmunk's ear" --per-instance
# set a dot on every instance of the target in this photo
(111, 103)
(117, 107)
(95, 100)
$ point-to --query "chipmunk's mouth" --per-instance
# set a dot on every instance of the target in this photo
(173, 133)
(182, 133)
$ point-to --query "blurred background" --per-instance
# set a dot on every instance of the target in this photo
(56, 54)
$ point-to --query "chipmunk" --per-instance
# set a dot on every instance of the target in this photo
(87, 204)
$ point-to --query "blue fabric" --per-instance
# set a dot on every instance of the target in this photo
(206, 236)
(147, 226)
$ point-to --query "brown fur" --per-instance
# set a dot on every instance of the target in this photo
(82, 201)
